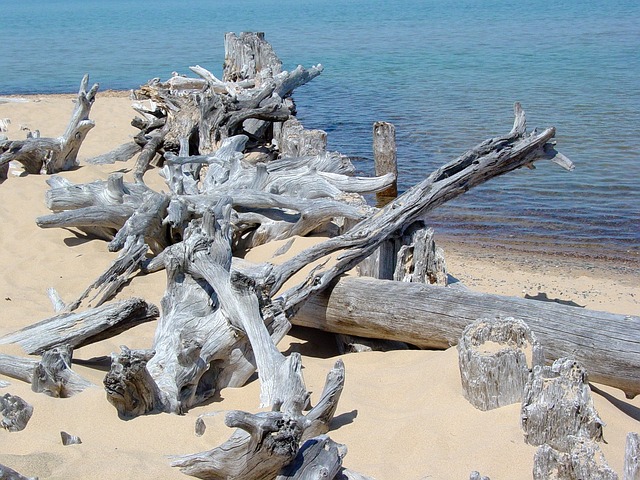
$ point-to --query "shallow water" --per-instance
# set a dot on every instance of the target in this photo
(446, 74)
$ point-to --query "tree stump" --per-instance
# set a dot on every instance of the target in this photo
(493, 363)
(557, 404)
(385, 157)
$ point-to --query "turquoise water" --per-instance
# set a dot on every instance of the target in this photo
(445, 73)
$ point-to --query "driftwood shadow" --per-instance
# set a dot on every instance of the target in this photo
(313, 343)
(343, 419)
(543, 297)
(78, 238)
(626, 408)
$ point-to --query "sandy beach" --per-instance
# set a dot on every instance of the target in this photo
(401, 414)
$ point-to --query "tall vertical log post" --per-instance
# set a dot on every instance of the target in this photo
(385, 158)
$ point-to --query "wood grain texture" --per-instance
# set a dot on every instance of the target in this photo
(429, 316)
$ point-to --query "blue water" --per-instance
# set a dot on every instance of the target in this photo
(445, 73)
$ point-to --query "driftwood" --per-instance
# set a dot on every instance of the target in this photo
(318, 458)
(266, 442)
(434, 317)
(68, 439)
(493, 361)
(51, 155)
(15, 413)
(83, 328)
(384, 154)
(219, 323)
(584, 459)
(557, 404)
(52, 375)
(632, 457)
(7, 473)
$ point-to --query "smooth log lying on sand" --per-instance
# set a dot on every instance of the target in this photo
(429, 316)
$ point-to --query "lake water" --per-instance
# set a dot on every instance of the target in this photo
(445, 73)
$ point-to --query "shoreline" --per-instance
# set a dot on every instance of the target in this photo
(464, 256)
(616, 258)
(389, 397)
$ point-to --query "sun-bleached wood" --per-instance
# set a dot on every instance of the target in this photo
(266, 442)
(7, 473)
(492, 357)
(82, 328)
(488, 160)
(53, 375)
(429, 316)
(15, 413)
(119, 154)
(582, 459)
(318, 458)
(557, 404)
(68, 439)
(51, 155)
(632, 457)
(476, 476)
(262, 444)
(385, 156)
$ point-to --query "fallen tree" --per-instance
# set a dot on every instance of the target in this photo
(429, 316)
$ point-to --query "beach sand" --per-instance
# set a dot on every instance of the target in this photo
(401, 415)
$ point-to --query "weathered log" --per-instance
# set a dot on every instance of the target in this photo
(15, 413)
(557, 404)
(82, 328)
(632, 457)
(318, 420)
(17, 367)
(149, 151)
(429, 316)
(119, 154)
(583, 460)
(130, 260)
(419, 259)
(493, 361)
(266, 442)
(53, 155)
(7, 473)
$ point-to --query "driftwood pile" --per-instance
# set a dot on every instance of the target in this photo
(241, 172)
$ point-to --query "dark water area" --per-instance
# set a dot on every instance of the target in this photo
(445, 74)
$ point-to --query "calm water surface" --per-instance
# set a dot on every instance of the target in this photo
(445, 73)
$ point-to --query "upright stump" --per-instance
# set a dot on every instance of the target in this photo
(493, 363)
(385, 158)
